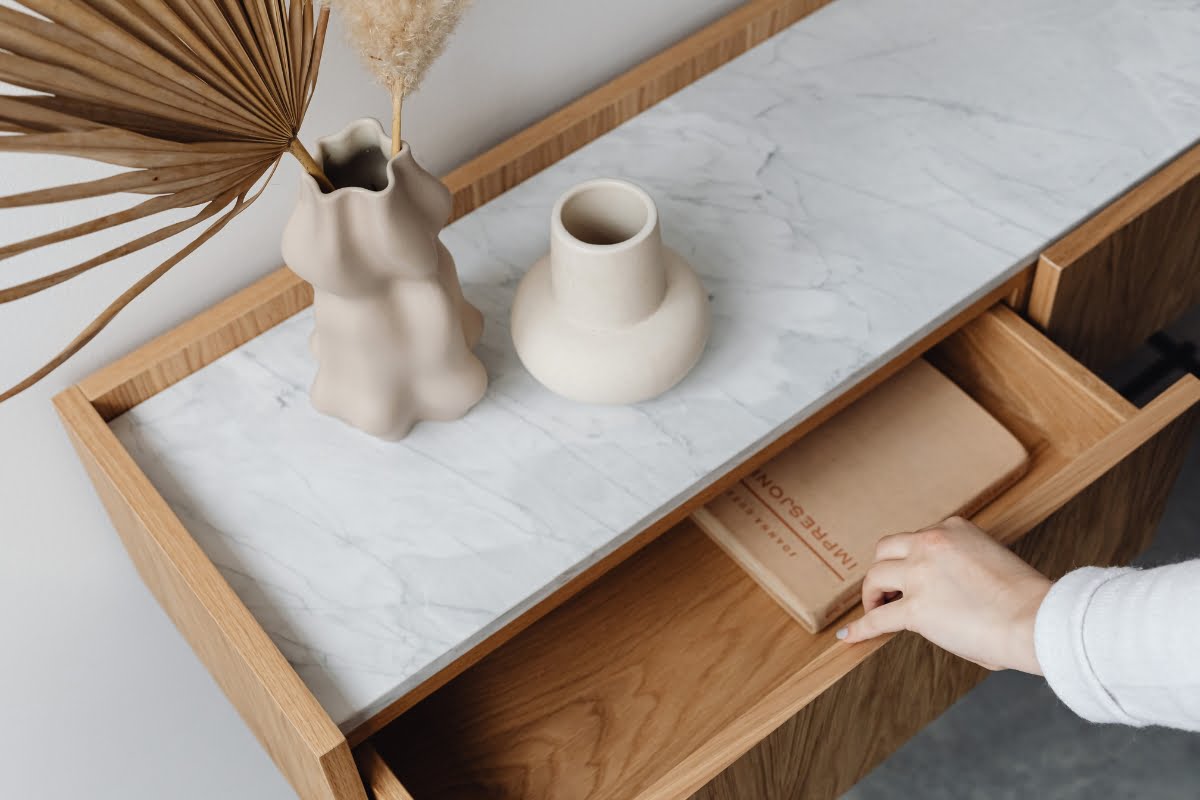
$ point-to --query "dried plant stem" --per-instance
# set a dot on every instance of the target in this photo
(197, 99)
(397, 104)
(310, 165)
(240, 203)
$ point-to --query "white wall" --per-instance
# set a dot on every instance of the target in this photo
(99, 697)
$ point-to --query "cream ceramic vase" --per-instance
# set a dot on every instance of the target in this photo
(611, 315)
(393, 333)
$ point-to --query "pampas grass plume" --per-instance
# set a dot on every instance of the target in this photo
(399, 39)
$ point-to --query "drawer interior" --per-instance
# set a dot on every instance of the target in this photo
(664, 666)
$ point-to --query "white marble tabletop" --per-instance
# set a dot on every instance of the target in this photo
(842, 189)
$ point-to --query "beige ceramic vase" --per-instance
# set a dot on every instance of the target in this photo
(610, 315)
(393, 332)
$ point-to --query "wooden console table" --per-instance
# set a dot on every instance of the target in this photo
(866, 187)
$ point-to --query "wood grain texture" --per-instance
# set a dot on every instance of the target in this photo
(377, 776)
(805, 524)
(981, 358)
(264, 304)
(211, 334)
(1048, 496)
(822, 751)
(1126, 272)
(675, 664)
(571, 738)
(1018, 298)
(304, 743)
(318, 767)
(680, 513)
(598, 112)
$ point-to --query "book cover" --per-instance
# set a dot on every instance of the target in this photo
(915, 450)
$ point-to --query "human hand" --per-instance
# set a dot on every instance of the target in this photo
(960, 589)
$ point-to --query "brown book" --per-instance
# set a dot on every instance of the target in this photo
(912, 452)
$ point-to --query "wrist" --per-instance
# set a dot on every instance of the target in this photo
(1022, 647)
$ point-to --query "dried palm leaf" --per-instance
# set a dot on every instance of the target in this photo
(399, 39)
(198, 99)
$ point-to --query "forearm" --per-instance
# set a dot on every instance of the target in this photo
(1123, 645)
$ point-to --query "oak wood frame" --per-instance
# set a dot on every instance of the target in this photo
(666, 671)
(308, 748)
(180, 352)
(1126, 272)
(826, 748)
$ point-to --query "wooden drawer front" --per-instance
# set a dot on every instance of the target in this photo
(1127, 272)
(675, 674)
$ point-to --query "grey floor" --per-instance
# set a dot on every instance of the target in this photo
(1012, 738)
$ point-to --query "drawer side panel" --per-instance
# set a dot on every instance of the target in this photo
(307, 747)
(836, 740)
(1127, 272)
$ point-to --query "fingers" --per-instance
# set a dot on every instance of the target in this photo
(885, 619)
(903, 545)
(893, 547)
(881, 581)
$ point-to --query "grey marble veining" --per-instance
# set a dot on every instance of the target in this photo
(842, 189)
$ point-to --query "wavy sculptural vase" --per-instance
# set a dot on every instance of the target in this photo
(393, 333)
(611, 315)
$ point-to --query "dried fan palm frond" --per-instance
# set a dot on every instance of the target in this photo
(399, 39)
(198, 99)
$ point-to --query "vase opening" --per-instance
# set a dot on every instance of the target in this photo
(365, 168)
(606, 214)
(357, 158)
(610, 315)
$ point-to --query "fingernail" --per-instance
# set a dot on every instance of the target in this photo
(842, 633)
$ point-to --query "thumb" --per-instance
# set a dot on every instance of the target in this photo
(885, 619)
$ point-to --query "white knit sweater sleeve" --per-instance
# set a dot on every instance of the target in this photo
(1123, 645)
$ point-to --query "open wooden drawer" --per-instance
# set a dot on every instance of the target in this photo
(672, 674)
(1126, 272)
(675, 665)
